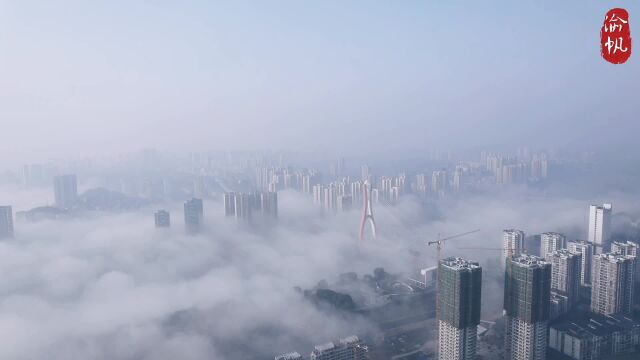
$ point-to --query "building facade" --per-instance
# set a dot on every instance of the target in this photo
(612, 286)
(6, 222)
(193, 216)
(512, 243)
(565, 274)
(585, 249)
(65, 188)
(162, 219)
(595, 337)
(526, 306)
(245, 206)
(551, 241)
(459, 300)
(599, 233)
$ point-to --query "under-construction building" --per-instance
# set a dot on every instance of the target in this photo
(459, 295)
(527, 291)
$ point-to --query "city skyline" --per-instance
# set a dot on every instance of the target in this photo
(297, 180)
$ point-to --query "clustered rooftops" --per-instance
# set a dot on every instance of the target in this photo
(615, 257)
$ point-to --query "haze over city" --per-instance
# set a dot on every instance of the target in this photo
(317, 180)
(85, 78)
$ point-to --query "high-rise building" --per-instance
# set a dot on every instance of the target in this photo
(356, 192)
(229, 204)
(349, 348)
(162, 219)
(459, 295)
(456, 185)
(626, 248)
(318, 195)
(612, 284)
(193, 215)
(242, 206)
(527, 291)
(512, 243)
(306, 184)
(585, 249)
(630, 248)
(600, 227)
(65, 189)
(269, 204)
(6, 222)
(565, 274)
(422, 187)
(331, 198)
(439, 181)
(551, 241)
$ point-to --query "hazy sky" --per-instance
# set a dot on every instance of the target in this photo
(111, 76)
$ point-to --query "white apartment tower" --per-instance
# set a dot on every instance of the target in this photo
(613, 282)
(457, 180)
(512, 243)
(439, 181)
(586, 250)
(565, 274)
(551, 241)
(600, 227)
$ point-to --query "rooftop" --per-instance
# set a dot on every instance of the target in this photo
(611, 257)
(349, 340)
(324, 347)
(289, 356)
(529, 260)
(596, 325)
(457, 263)
(562, 253)
(551, 233)
(512, 230)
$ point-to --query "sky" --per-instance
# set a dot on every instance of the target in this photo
(91, 78)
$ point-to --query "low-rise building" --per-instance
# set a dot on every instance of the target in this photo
(595, 336)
